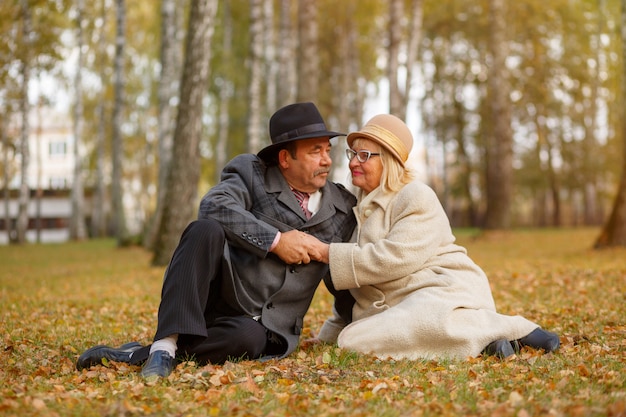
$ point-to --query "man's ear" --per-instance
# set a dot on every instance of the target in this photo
(283, 158)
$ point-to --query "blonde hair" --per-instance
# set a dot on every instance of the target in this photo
(394, 175)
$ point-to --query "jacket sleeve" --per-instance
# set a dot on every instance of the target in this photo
(232, 201)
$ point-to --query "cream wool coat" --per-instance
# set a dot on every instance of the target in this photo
(418, 294)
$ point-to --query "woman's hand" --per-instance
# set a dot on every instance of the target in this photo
(309, 343)
(318, 250)
(293, 247)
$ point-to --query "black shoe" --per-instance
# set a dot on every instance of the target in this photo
(96, 354)
(501, 348)
(541, 339)
(159, 364)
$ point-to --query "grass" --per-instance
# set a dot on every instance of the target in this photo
(57, 300)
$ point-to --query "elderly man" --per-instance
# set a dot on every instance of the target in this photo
(242, 277)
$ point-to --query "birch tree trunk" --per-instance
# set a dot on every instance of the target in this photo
(308, 56)
(6, 195)
(78, 229)
(225, 93)
(169, 85)
(24, 195)
(98, 202)
(399, 97)
(396, 11)
(256, 67)
(182, 182)
(413, 46)
(117, 186)
(270, 62)
(499, 152)
(287, 71)
(38, 170)
(614, 231)
(346, 101)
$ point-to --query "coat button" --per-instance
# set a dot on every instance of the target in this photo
(367, 213)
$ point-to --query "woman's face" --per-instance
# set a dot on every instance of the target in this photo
(366, 175)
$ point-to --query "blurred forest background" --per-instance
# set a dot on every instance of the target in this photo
(517, 108)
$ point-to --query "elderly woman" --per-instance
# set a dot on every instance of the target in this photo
(418, 294)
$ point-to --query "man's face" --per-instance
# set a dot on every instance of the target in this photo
(309, 169)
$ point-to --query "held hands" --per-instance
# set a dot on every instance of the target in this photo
(318, 250)
(295, 247)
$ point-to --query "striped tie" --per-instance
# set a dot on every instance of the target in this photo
(303, 199)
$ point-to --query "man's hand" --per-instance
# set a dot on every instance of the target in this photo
(292, 247)
(295, 247)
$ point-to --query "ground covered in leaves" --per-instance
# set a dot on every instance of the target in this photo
(57, 300)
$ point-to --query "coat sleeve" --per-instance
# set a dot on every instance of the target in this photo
(232, 202)
(418, 230)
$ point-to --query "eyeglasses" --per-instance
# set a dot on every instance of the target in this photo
(362, 156)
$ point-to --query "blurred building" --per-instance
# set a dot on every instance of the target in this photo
(51, 146)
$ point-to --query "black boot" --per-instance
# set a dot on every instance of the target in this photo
(501, 348)
(541, 339)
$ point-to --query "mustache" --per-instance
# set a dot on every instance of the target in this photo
(321, 171)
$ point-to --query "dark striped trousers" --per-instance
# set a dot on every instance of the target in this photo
(190, 304)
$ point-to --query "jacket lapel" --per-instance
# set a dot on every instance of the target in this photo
(332, 199)
(275, 184)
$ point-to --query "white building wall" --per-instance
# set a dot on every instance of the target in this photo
(51, 168)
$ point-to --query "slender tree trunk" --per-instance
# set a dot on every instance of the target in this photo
(396, 12)
(555, 189)
(399, 97)
(287, 72)
(464, 169)
(98, 217)
(347, 80)
(39, 171)
(500, 141)
(541, 217)
(256, 67)
(182, 183)
(6, 195)
(117, 187)
(225, 93)
(24, 195)
(414, 40)
(308, 57)
(169, 85)
(614, 231)
(589, 188)
(271, 64)
(78, 229)
(352, 91)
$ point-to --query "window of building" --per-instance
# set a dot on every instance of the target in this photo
(58, 183)
(58, 148)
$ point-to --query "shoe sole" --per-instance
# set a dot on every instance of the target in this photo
(80, 365)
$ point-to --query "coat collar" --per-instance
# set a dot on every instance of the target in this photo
(377, 197)
(332, 198)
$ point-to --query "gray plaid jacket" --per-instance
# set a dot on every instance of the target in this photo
(253, 202)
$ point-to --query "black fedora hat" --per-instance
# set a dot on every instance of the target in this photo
(294, 122)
